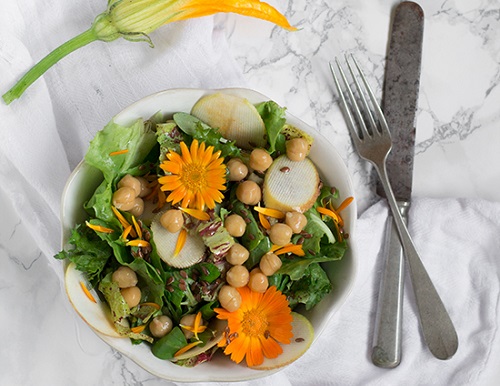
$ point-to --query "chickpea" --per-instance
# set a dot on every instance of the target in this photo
(258, 282)
(229, 298)
(172, 220)
(123, 198)
(132, 295)
(280, 234)
(138, 208)
(125, 277)
(235, 225)
(260, 160)
(296, 220)
(145, 189)
(131, 182)
(237, 169)
(237, 254)
(248, 192)
(160, 326)
(269, 264)
(296, 149)
(237, 276)
(188, 321)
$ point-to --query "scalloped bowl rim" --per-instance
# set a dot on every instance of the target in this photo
(84, 179)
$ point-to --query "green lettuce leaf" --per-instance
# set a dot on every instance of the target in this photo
(88, 252)
(139, 139)
(274, 119)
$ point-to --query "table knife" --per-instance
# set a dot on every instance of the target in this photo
(401, 86)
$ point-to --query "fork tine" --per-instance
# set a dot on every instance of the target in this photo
(378, 110)
(350, 121)
(361, 94)
(354, 104)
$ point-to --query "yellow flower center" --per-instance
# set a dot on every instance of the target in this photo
(192, 177)
(254, 323)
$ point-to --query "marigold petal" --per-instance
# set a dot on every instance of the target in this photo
(87, 292)
(171, 167)
(188, 198)
(254, 353)
(345, 204)
(296, 249)
(194, 150)
(181, 240)
(176, 195)
(138, 329)
(187, 347)
(209, 201)
(138, 243)
(329, 213)
(208, 155)
(264, 221)
(186, 155)
(165, 180)
(270, 212)
(270, 348)
(99, 228)
(196, 213)
(215, 161)
(238, 348)
(175, 157)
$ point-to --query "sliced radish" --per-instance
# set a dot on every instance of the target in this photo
(95, 313)
(191, 253)
(290, 186)
(303, 335)
(218, 326)
(236, 118)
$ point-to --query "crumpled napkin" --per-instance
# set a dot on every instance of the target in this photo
(45, 133)
(458, 241)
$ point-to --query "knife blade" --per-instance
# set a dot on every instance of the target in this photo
(401, 87)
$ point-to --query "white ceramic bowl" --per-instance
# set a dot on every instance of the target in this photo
(84, 180)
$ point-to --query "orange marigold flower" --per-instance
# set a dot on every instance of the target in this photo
(195, 177)
(262, 322)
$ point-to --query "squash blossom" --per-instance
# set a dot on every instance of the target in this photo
(135, 19)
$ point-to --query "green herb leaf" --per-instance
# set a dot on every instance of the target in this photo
(89, 252)
(166, 347)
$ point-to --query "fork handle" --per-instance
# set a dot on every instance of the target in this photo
(386, 350)
(437, 327)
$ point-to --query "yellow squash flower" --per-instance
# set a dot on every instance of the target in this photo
(135, 19)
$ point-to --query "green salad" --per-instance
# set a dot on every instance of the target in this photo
(200, 214)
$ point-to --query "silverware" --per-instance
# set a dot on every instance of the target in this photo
(402, 80)
(373, 142)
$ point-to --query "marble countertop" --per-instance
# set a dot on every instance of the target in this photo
(456, 155)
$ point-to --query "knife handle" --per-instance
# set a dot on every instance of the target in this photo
(386, 351)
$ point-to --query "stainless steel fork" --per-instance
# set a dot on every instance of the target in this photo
(372, 139)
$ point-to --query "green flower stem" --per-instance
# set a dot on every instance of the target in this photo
(43, 65)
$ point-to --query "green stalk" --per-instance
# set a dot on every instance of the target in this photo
(43, 65)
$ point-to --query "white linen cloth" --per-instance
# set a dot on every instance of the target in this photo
(45, 134)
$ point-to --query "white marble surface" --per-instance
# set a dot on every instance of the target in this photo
(458, 137)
